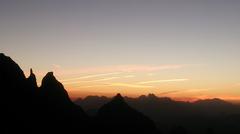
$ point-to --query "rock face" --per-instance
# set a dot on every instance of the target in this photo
(120, 118)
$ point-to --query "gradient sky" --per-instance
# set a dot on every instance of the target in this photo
(179, 48)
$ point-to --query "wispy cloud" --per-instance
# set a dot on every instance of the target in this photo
(143, 68)
(129, 76)
(118, 68)
(130, 85)
(105, 79)
(169, 92)
(162, 81)
(91, 86)
(185, 90)
(115, 85)
(90, 76)
(89, 81)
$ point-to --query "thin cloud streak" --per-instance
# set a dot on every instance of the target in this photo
(169, 92)
(119, 68)
(186, 91)
(129, 76)
(130, 85)
(105, 79)
(91, 86)
(162, 81)
(90, 76)
(116, 85)
(89, 81)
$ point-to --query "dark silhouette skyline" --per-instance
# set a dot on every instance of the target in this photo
(27, 108)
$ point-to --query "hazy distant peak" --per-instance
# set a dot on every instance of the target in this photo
(95, 97)
(142, 97)
(214, 101)
(118, 98)
(152, 95)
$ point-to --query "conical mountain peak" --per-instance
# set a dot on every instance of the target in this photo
(118, 115)
(118, 97)
(49, 76)
(50, 79)
(52, 88)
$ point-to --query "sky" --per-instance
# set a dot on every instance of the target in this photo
(185, 49)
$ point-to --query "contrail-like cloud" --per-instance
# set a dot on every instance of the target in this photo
(89, 81)
(105, 79)
(90, 76)
(162, 81)
(130, 85)
(119, 68)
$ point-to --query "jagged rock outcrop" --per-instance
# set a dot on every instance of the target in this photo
(32, 81)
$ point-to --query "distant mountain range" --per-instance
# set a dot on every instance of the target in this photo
(198, 116)
(150, 102)
(29, 109)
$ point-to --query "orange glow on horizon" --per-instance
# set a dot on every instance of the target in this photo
(133, 81)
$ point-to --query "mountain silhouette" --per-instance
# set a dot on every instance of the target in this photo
(29, 109)
(53, 91)
(58, 108)
(120, 118)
